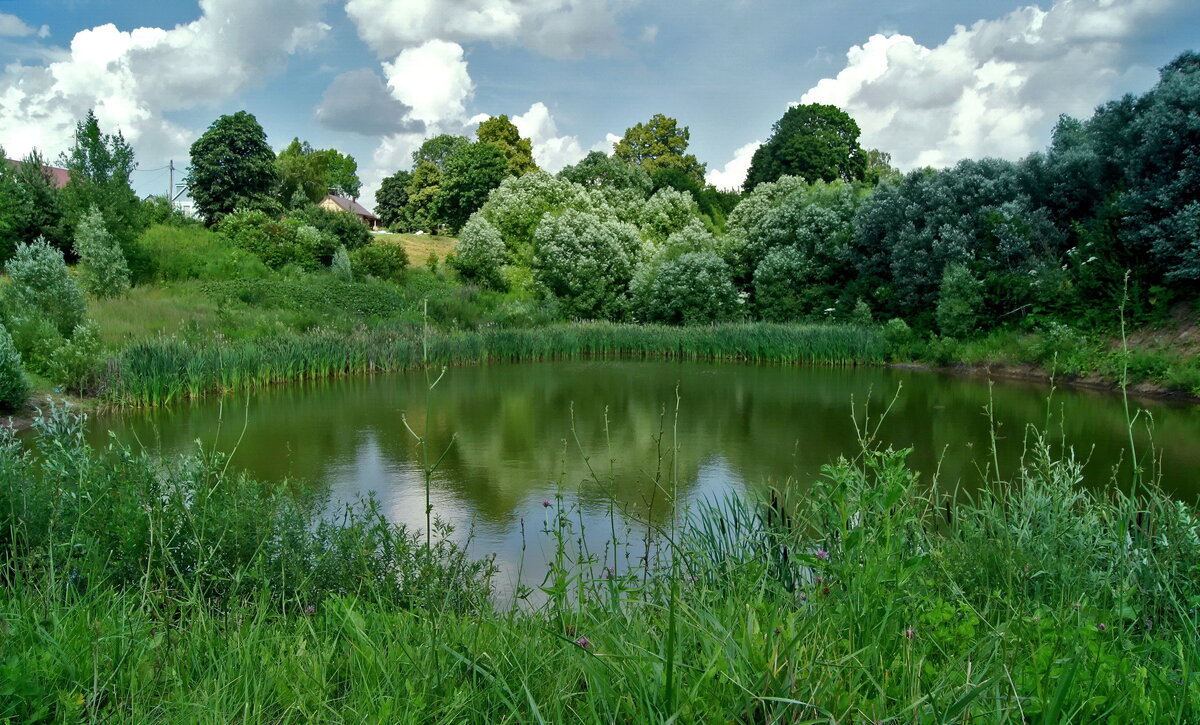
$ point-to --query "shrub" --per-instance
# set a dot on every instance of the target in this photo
(193, 252)
(898, 338)
(959, 303)
(861, 314)
(517, 206)
(481, 253)
(381, 261)
(587, 263)
(76, 363)
(36, 339)
(342, 227)
(695, 288)
(783, 288)
(277, 243)
(341, 265)
(103, 270)
(667, 212)
(42, 287)
(309, 292)
(14, 387)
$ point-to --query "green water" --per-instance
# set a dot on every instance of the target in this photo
(521, 433)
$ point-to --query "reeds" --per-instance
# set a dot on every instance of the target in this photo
(161, 371)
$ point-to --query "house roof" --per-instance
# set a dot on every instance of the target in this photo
(351, 206)
(58, 176)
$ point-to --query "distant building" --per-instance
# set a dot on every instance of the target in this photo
(333, 202)
(59, 177)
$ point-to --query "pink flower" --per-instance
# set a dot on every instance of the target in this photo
(310, 609)
(583, 642)
(1102, 627)
(822, 555)
(546, 504)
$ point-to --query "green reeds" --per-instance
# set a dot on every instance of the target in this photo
(158, 372)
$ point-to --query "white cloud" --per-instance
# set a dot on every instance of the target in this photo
(358, 102)
(558, 28)
(12, 26)
(610, 140)
(132, 77)
(431, 79)
(993, 89)
(550, 150)
(734, 173)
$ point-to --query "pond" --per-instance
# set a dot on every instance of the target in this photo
(517, 435)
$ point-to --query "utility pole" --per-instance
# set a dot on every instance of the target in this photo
(171, 183)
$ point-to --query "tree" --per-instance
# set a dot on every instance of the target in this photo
(878, 168)
(391, 201)
(104, 272)
(14, 386)
(343, 174)
(814, 142)
(504, 135)
(231, 165)
(695, 288)
(470, 175)
(438, 150)
(960, 301)
(304, 170)
(422, 191)
(481, 253)
(657, 144)
(100, 166)
(42, 288)
(586, 262)
(30, 206)
(598, 169)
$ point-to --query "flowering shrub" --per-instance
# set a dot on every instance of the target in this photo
(587, 263)
(481, 253)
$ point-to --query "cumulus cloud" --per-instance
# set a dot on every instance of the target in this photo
(358, 102)
(432, 80)
(558, 28)
(13, 27)
(550, 150)
(734, 173)
(610, 140)
(132, 77)
(993, 89)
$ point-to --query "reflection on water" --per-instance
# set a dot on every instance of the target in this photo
(600, 432)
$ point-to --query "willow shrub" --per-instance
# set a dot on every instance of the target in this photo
(14, 387)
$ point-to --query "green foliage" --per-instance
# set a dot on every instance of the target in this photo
(517, 206)
(75, 365)
(344, 228)
(36, 340)
(30, 206)
(277, 243)
(381, 261)
(665, 213)
(471, 173)
(438, 150)
(481, 253)
(959, 302)
(422, 191)
(195, 252)
(42, 288)
(504, 135)
(342, 176)
(694, 288)
(103, 271)
(659, 143)
(317, 293)
(14, 387)
(598, 169)
(814, 142)
(303, 170)
(783, 285)
(587, 263)
(341, 265)
(391, 202)
(232, 165)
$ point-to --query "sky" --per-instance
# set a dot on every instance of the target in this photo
(929, 81)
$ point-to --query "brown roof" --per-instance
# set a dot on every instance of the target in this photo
(58, 176)
(351, 206)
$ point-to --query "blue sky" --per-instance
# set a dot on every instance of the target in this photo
(930, 81)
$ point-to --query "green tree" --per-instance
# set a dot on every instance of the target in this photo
(504, 135)
(232, 165)
(481, 253)
(41, 287)
(814, 142)
(471, 174)
(391, 201)
(960, 301)
(659, 143)
(598, 169)
(14, 386)
(304, 170)
(586, 262)
(879, 168)
(343, 174)
(103, 270)
(438, 150)
(695, 288)
(422, 190)
(30, 206)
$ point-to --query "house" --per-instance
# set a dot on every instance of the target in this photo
(58, 177)
(333, 202)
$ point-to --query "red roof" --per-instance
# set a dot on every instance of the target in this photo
(58, 176)
(351, 206)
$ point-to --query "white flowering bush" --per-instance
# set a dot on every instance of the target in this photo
(516, 207)
(586, 262)
(41, 287)
(103, 269)
(481, 253)
(693, 288)
(666, 212)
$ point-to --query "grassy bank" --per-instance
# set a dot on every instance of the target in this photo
(160, 371)
(141, 590)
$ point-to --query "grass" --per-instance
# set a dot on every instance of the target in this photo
(164, 370)
(140, 590)
(421, 246)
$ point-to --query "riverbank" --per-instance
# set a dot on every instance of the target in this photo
(166, 590)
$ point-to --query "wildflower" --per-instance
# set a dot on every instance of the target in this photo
(609, 572)
(822, 555)
(910, 633)
(1078, 606)
(310, 609)
(804, 596)
(583, 642)
(546, 504)
(1102, 627)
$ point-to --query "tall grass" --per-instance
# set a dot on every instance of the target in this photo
(161, 371)
(145, 591)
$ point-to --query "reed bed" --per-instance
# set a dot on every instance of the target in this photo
(158, 372)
